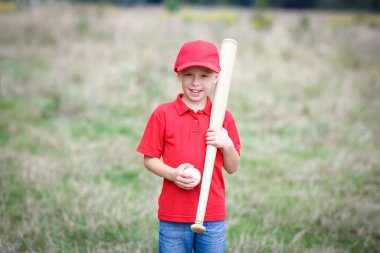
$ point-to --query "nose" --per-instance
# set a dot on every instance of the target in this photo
(196, 81)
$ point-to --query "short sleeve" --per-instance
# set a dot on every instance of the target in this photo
(230, 125)
(152, 141)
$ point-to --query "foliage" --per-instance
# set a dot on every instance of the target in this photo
(7, 7)
(262, 4)
(225, 17)
(172, 5)
(354, 19)
(262, 21)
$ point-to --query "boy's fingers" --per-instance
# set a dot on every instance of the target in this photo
(184, 180)
(185, 183)
(210, 137)
(183, 166)
(185, 186)
(188, 179)
(187, 176)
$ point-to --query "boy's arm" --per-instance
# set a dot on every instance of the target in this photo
(220, 139)
(176, 175)
(231, 159)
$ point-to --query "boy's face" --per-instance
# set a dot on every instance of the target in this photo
(197, 83)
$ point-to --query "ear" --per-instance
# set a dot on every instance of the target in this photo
(179, 76)
(216, 78)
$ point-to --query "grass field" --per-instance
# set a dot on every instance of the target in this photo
(78, 84)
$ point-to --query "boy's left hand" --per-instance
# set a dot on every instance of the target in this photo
(218, 138)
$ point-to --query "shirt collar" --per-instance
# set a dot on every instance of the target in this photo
(182, 108)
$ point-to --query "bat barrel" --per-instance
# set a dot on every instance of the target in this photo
(227, 60)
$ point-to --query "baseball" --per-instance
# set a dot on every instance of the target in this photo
(195, 173)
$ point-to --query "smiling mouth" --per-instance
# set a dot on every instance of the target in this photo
(195, 91)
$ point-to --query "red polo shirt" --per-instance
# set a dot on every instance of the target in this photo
(177, 134)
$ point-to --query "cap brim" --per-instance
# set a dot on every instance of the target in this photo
(198, 64)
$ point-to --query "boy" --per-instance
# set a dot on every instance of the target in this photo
(178, 132)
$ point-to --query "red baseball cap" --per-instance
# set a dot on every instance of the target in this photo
(198, 53)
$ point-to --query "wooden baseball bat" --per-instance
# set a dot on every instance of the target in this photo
(219, 104)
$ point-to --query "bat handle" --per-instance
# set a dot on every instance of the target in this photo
(205, 188)
(198, 227)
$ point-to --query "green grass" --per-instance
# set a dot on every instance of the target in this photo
(78, 84)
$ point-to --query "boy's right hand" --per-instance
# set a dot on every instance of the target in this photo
(182, 179)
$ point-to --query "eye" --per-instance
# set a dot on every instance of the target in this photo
(204, 75)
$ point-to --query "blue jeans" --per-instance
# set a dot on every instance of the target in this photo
(175, 237)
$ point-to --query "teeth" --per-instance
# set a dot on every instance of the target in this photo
(195, 91)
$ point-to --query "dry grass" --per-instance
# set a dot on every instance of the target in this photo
(77, 84)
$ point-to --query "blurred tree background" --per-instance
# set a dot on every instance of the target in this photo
(363, 5)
